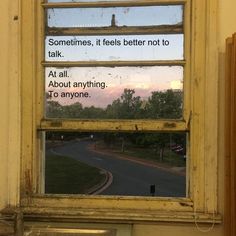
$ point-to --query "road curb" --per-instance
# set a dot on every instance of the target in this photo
(99, 188)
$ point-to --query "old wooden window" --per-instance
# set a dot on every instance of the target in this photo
(108, 24)
(113, 64)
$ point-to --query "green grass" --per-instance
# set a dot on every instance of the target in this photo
(65, 175)
(170, 157)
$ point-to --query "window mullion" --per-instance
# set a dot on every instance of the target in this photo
(112, 125)
(113, 63)
(162, 29)
(112, 3)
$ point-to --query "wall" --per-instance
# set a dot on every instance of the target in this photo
(10, 115)
(9, 103)
(227, 27)
(227, 19)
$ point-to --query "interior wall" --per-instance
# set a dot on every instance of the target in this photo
(178, 230)
(3, 105)
(227, 27)
(10, 115)
(227, 19)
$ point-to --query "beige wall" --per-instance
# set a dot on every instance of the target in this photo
(3, 105)
(10, 115)
(178, 230)
(9, 103)
(227, 27)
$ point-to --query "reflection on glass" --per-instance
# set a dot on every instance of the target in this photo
(114, 48)
(116, 164)
(114, 92)
(115, 16)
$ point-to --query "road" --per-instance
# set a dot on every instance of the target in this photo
(129, 178)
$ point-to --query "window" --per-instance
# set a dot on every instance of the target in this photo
(88, 40)
(84, 79)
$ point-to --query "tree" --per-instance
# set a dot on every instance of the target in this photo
(72, 111)
(54, 109)
(157, 141)
(165, 104)
(113, 111)
(92, 113)
(127, 106)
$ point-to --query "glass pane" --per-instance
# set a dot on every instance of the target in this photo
(114, 92)
(115, 16)
(114, 48)
(129, 164)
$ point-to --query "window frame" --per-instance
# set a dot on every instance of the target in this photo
(200, 119)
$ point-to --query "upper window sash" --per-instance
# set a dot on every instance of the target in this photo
(126, 30)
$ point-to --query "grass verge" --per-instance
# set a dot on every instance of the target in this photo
(65, 175)
(170, 158)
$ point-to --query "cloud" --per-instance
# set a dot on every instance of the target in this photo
(143, 80)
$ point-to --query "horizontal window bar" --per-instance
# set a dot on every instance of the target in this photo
(67, 4)
(147, 210)
(163, 29)
(112, 125)
(113, 63)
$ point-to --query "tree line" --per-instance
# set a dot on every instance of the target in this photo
(160, 105)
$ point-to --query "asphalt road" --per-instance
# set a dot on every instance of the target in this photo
(129, 178)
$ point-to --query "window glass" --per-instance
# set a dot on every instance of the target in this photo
(95, 72)
(114, 92)
(115, 16)
(128, 164)
(114, 48)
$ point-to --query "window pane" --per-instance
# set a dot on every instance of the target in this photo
(114, 92)
(115, 16)
(129, 164)
(114, 48)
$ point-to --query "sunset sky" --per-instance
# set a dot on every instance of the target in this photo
(143, 79)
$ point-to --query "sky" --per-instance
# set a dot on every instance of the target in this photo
(124, 16)
(151, 48)
(143, 79)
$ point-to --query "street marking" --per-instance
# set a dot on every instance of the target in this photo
(97, 158)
